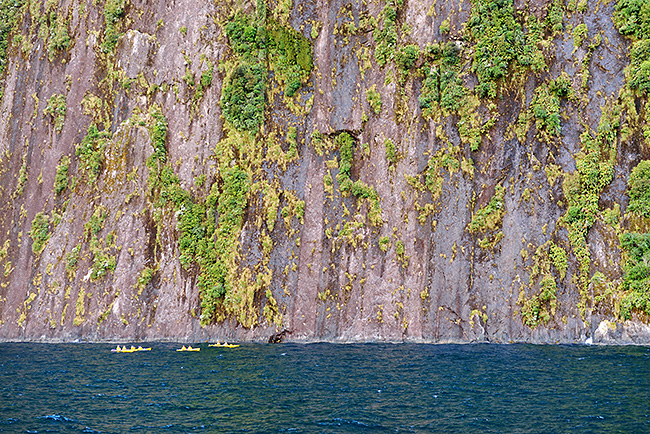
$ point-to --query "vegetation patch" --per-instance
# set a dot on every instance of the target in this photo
(489, 218)
(62, 179)
(374, 99)
(56, 109)
(40, 232)
(594, 171)
(498, 37)
(9, 15)
(91, 152)
(113, 13)
(636, 278)
(244, 97)
(442, 86)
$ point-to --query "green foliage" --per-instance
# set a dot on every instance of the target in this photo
(40, 232)
(632, 18)
(59, 39)
(244, 97)
(594, 171)
(374, 99)
(639, 189)
(532, 56)
(546, 110)
(113, 12)
(345, 143)
(56, 108)
(444, 159)
(555, 16)
(158, 134)
(559, 259)
(384, 243)
(232, 201)
(103, 262)
(145, 277)
(534, 310)
(61, 180)
(489, 217)
(22, 178)
(391, 154)
(359, 189)
(245, 35)
(386, 35)
(204, 83)
(636, 280)
(8, 19)
(498, 37)
(639, 69)
(72, 260)
(188, 78)
(96, 222)
(444, 27)
(290, 56)
(407, 56)
(579, 33)
(91, 152)
(442, 85)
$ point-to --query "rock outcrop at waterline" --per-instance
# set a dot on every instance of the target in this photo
(350, 171)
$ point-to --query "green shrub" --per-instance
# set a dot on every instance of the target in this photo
(498, 37)
(56, 108)
(639, 68)
(546, 110)
(374, 99)
(158, 134)
(636, 279)
(444, 27)
(204, 83)
(579, 34)
(490, 216)
(639, 189)
(391, 154)
(59, 39)
(96, 222)
(72, 260)
(407, 57)
(244, 97)
(384, 243)
(113, 12)
(103, 263)
(632, 18)
(8, 18)
(91, 152)
(555, 16)
(40, 232)
(145, 277)
(245, 36)
(442, 86)
(61, 179)
(290, 55)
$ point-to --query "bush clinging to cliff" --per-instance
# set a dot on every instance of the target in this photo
(243, 97)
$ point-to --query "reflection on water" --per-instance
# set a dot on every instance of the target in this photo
(325, 388)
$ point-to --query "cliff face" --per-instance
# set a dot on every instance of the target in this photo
(348, 171)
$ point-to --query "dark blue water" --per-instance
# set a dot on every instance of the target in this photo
(325, 388)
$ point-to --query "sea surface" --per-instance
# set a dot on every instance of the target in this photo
(325, 388)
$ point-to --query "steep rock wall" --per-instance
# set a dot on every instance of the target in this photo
(412, 179)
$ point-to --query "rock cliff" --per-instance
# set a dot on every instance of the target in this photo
(391, 170)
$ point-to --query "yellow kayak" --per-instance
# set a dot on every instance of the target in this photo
(133, 349)
(224, 345)
(188, 349)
